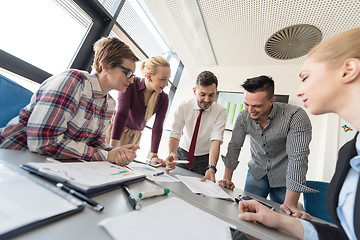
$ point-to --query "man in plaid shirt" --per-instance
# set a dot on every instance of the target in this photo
(69, 114)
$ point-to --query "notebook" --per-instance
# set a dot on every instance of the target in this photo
(90, 178)
(26, 204)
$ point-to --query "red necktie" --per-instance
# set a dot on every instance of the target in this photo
(190, 156)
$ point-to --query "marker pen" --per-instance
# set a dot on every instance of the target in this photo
(96, 206)
(134, 204)
(158, 174)
(154, 193)
(181, 161)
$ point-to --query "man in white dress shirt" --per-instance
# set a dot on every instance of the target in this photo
(210, 131)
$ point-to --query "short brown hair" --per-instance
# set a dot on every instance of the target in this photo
(206, 78)
(111, 51)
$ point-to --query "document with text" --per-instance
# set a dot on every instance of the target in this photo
(207, 188)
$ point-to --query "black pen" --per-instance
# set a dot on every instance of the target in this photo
(134, 204)
(94, 205)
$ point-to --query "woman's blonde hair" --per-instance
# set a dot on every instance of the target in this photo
(111, 51)
(338, 48)
(151, 66)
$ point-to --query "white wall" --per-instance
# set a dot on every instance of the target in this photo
(323, 147)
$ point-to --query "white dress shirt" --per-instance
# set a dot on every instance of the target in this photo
(212, 125)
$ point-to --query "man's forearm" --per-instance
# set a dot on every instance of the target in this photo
(214, 152)
(228, 173)
(291, 197)
(173, 145)
(291, 225)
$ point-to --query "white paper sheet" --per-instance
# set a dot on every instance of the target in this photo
(163, 178)
(171, 218)
(23, 201)
(207, 188)
(150, 171)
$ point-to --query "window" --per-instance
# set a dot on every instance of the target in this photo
(137, 25)
(42, 33)
(44, 38)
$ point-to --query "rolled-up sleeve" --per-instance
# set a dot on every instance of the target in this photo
(235, 144)
(297, 149)
(217, 132)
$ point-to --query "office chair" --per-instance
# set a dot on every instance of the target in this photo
(13, 97)
(315, 203)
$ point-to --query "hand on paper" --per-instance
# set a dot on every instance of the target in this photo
(123, 155)
(209, 175)
(170, 165)
(226, 184)
(294, 211)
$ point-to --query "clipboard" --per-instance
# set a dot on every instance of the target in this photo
(98, 186)
(18, 215)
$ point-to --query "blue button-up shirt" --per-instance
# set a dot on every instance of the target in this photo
(345, 209)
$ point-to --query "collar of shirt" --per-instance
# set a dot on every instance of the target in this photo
(196, 106)
(355, 161)
(273, 112)
(96, 89)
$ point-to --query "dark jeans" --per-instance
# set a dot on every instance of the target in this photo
(200, 162)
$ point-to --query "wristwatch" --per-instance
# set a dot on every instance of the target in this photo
(212, 166)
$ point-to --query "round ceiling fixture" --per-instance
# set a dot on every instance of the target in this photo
(292, 42)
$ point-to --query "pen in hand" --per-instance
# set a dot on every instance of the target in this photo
(134, 204)
(181, 161)
(94, 205)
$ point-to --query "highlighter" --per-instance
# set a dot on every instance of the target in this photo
(154, 193)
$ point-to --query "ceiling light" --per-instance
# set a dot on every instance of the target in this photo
(192, 16)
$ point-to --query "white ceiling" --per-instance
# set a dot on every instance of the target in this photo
(239, 29)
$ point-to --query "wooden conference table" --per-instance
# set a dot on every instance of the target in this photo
(84, 225)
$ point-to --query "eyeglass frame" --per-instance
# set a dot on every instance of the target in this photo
(128, 73)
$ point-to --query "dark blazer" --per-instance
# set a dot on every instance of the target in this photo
(346, 153)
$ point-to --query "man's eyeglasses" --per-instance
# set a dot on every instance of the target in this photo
(128, 72)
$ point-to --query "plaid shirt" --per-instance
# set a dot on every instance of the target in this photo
(66, 118)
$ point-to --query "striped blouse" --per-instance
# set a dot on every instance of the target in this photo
(66, 118)
(280, 150)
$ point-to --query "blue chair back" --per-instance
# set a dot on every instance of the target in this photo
(315, 203)
(13, 97)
